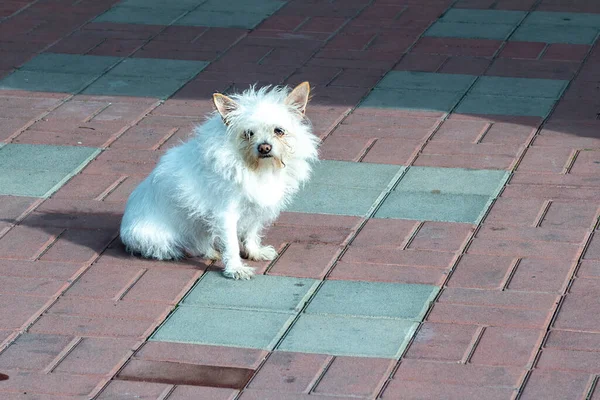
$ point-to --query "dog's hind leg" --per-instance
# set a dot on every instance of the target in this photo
(152, 241)
(203, 245)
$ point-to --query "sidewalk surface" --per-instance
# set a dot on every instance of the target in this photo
(446, 248)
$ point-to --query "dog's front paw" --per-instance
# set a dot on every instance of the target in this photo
(264, 253)
(240, 272)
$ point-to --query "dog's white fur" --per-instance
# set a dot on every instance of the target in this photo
(215, 193)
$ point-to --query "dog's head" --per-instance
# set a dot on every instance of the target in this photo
(268, 126)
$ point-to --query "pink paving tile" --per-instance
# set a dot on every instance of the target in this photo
(89, 307)
(525, 50)
(542, 69)
(507, 346)
(201, 354)
(78, 245)
(17, 311)
(536, 275)
(183, 392)
(549, 233)
(251, 394)
(569, 340)
(344, 148)
(418, 258)
(465, 65)
(516, 248)
(365, 124)
(587, 162)
(577, 311)
(569, 360)
(441, 236)
(31, 286)
(354, 376)
(385, 232)
(481, 271)
(550, 191)
(96, 356)
(13, 207)
(415, 390)
(86, 326)
(27, 243)
(86, 186)
(464, 131)
(543, 159)
(137, 390)
(421, 62)
(555, 385)
(453, 373)
(38, 269)
(33, 351)
(570, 215)
(389, 273)
(70, 213)
(590, 269)
(442, 342)
(60, 385)
(391, 151)
(289, 372)
(305, 260)
(457, 47)
(566, 52)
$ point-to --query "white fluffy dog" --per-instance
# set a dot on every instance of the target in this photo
(213, 195)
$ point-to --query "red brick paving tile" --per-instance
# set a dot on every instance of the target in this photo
(568, 340)
(545, 159)
(62, 385)
(362, 124)
(77, 306)
(463, 131)
(284, 56)
(124, 31)
(66, 138)
(14, 59)
(461, 161)
(469, 149)
(96, 356)
(30, 286)
(384, 232)
(26, 243)
(286, 23)
(134, 390)
(570, 215)
(317, 76)
(589, 269)
(506, 346)
(305, 260)
(566, 52)
(33, 351)
(121, 193)
(181, 33)
(503, 247)
(201, 354)
(442, 342)
(163, 286)
(12, 207)
(388, 273)
(278, 235)
(317, 220)
(527, 50)
(516, 5)
(37, 269)
(357, 78)
(289, 372)
(354, 376)
(189, 108)
(105, 282)
(77, 43)
(465, 65)
(555, 179)
(421, 62)
(413, 258)
(578, 310)
(78, 245)
(569, 360)
(476, 4)
(543, 69)
(481, 272)
(457, 47)
(411, 390)
(86, 326)
(86, 187)
(587, 162)
(322, 24)
(576, 110)
(492, 316)
(494, 298)
(555, 385)
(270, 395)
(441, 236)
(198, 392)
(540, 275)
(550, 191)
(391, 151)
(355, 59)
(452, 373)
(344, 148)
(524, 233)
(15, 311)
(509, 133)
(11, 126)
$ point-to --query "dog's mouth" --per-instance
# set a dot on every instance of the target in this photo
(265, 156)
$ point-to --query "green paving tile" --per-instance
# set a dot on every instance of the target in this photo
(332, 199)
(424, 100)
(39, 170)
(521, 87)
(140, 86)
(504, 105)
(264, 292)
(140, 15)
(265, 7)
(70, 63)
(353, 174)
(224, 327)
(469, 31)
(157, 68)
(373, 299)
(483, 16)
(41, 81)
(349, 336)
(563, 18)
(426, 81)
(452, 181)
(222, 19)
(424, 206)
(555, 34)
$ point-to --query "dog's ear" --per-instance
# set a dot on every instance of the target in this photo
(299, 96)
(224, 105)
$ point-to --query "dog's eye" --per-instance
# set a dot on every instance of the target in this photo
(279, 132)
(248, 134)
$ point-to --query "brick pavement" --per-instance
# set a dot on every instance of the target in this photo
(448, 248)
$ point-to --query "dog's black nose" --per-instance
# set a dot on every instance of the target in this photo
(264, 148)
